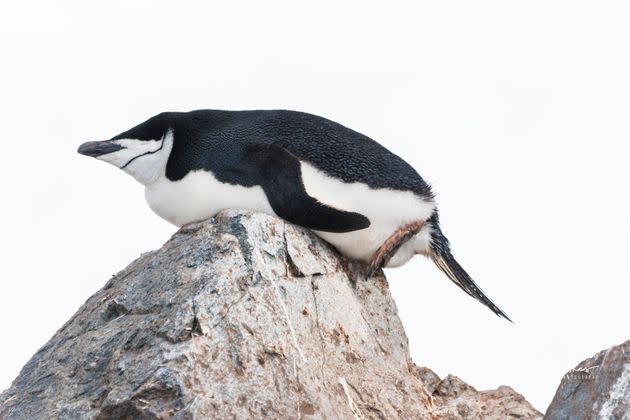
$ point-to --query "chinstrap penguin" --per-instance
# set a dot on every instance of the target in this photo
(351, 191)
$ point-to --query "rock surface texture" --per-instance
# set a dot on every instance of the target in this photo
(241, 316)
(455, 399)
(597, 388)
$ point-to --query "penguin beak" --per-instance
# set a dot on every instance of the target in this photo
(98, 148)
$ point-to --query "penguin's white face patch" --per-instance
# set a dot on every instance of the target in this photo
(145, 160)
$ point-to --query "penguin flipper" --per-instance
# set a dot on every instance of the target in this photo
(280, 176)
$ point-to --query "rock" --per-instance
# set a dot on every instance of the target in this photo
(455, 399)
(241, 316)
(597, 388)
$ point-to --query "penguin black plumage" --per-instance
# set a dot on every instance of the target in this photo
(308, 170)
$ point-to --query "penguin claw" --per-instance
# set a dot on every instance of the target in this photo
(372, 269)
(387, 250)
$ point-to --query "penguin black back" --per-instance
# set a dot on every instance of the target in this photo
(214, 140)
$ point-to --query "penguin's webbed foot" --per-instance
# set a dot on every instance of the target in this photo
(387, 250)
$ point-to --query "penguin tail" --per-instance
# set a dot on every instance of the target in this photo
(441, 255)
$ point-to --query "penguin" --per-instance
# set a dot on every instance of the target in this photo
(348, 189)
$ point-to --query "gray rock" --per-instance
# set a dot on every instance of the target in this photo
(242, 316)
(454, 399)
(597, 388)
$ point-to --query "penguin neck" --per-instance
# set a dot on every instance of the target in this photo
(148, 168)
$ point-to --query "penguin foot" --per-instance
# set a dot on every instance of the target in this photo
(386, 251)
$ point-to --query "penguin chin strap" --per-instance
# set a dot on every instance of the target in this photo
(387, 250)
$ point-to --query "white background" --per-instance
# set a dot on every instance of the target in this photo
(516, 112)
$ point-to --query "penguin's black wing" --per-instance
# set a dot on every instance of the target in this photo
(281, 178)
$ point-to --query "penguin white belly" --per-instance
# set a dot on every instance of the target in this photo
(199, 195)
(386, 209)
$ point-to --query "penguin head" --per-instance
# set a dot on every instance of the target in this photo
(141, 151)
